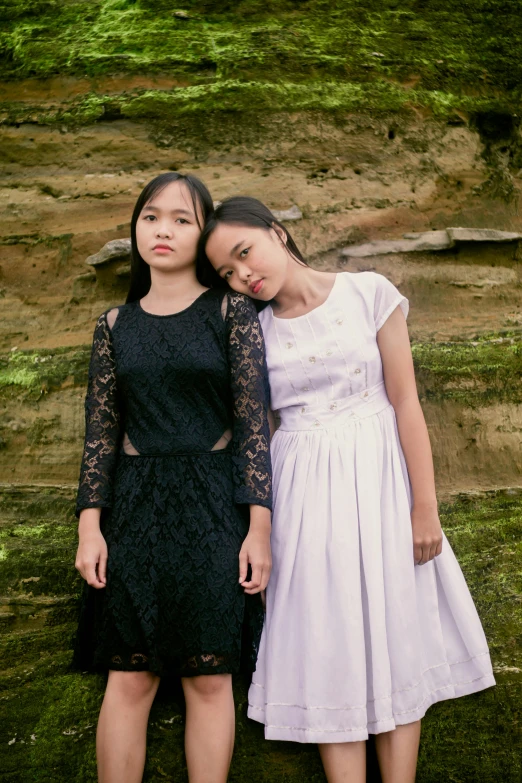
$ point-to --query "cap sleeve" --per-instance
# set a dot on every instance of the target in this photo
(387, 299)
(248, 378)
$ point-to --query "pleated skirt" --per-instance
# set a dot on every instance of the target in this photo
(357, 639)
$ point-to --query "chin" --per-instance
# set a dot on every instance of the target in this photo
(166, 264)
(263, 296)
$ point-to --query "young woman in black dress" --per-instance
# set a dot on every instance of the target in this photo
(175, 492)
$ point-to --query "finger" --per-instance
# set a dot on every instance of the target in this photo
(256, 578)
(102, 568)
(252, 590)
(424, 551)
(429, 553)
(243, 566)
(417, 554)
(91, 576)
(265, 576)
(439, 548)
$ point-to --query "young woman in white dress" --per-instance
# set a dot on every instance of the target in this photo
(369, 619)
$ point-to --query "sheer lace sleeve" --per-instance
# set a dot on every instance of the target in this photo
(102, 424)
(248, 372)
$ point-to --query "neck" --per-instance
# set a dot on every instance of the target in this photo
(173, 287)
(301, 288)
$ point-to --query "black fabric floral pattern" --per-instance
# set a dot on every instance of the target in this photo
(102, 423)
(175, 511)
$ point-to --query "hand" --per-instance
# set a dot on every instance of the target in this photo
(427, 534)
(256, 552)
(91, 557)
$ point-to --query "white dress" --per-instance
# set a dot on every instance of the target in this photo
(357, 639)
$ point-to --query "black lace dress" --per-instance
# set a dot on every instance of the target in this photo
(163, 391)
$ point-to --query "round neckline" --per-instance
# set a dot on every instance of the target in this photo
(171, 315)
(315, 309)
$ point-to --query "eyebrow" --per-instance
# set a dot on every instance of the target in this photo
(179, 211)
(236, 247)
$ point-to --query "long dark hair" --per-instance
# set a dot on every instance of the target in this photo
(244, 211)
(201, 200)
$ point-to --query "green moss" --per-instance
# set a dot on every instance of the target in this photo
(258, 56)
(253, 97)
(52, 713)
(478, 372)
(485, 536)
(26, 503)
(461, 738)
(44, 370)
(38, 538)
(27, 646)
(41, 553)
(55, 719)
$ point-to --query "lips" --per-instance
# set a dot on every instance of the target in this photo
(162, 247)
(256, 287)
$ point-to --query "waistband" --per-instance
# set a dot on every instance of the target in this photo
(336, 413)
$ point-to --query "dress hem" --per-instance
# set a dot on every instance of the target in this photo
(361, 733)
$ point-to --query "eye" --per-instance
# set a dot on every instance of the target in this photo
(244, 252)
(150, 218)
(181, 220)
(227, 275)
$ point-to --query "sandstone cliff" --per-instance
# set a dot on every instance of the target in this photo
(376, 120)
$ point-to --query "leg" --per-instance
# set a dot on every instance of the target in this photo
(210, 727)
(122, 726)
(397, 753)
(344, 762)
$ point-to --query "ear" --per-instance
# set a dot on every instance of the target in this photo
(280, 232)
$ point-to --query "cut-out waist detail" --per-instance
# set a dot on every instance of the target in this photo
(335, 413)
(217, 452)
(222, 444)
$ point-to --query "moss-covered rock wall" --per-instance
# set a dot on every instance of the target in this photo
(49, 715)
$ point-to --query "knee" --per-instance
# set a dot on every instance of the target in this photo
(133, 686)
(208, 687)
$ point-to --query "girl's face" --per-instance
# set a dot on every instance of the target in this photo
(253, 261)
(167, 230)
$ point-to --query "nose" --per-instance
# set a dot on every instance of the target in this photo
(245, 274)
(163, 231)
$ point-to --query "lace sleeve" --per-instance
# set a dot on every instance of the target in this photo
(246, 350)
(102, 424)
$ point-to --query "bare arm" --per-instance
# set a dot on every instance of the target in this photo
(399, 378)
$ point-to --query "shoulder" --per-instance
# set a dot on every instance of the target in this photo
(107, 319)
(380, 295)
(368, 285)
(365, 281)
(239, 305)
(234, 299)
